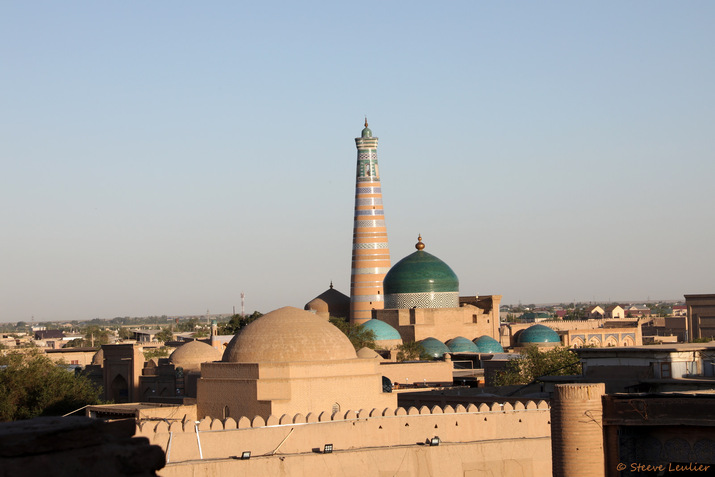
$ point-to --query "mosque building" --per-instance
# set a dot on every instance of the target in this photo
(422, 303)
(416, 299)
(290, 395)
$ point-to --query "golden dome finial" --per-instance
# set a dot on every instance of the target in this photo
(365, 121)
(419, 245)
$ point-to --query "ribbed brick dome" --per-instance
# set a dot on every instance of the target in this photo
(190, 355)
(98, 357)
(289, 335)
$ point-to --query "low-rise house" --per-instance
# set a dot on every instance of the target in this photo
(680, 310)
(595, 312)
(52, 339)
(636, 310)
(615, 312)
(145, 336)
(655, 368)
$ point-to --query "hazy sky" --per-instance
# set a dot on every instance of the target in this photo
(161, 157)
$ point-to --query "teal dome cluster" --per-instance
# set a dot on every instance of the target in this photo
(434, 347)
(461, 344)
(382, 330)
(487, 344)
(538, 334)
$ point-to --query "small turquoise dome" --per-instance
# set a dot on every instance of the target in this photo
(382, 330)
(366, 133)
(434, 347)
(461, 344)
(538, 334)
(487, 344)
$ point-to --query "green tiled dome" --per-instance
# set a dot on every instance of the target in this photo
(487, 344)
(434, 347)
(382, 330)
(461, 344)
(420, 272)
(538, 334)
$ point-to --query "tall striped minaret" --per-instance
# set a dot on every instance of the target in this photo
(371, 254)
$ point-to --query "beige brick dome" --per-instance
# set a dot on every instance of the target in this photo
(98, 357)
(287, 335)
(367, 353)
(192, 354)
(330, 303)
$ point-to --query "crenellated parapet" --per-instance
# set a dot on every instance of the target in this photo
(353, 429)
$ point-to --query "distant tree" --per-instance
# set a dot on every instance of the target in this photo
(125, 333)
(359, 337)
(164, 335)
(95, 336)
(162, 352)
(575, 314)
(533, 363)
(236, 322)
(32, 385)
(188, 325)
(411, 351)
(75, 343)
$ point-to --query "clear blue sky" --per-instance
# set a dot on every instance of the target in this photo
(161, 157)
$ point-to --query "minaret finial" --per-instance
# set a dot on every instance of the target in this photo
(419, 245)
(365, 121)
(331, 284)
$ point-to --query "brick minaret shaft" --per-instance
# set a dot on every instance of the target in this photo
(371, 254)
(577, 430)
